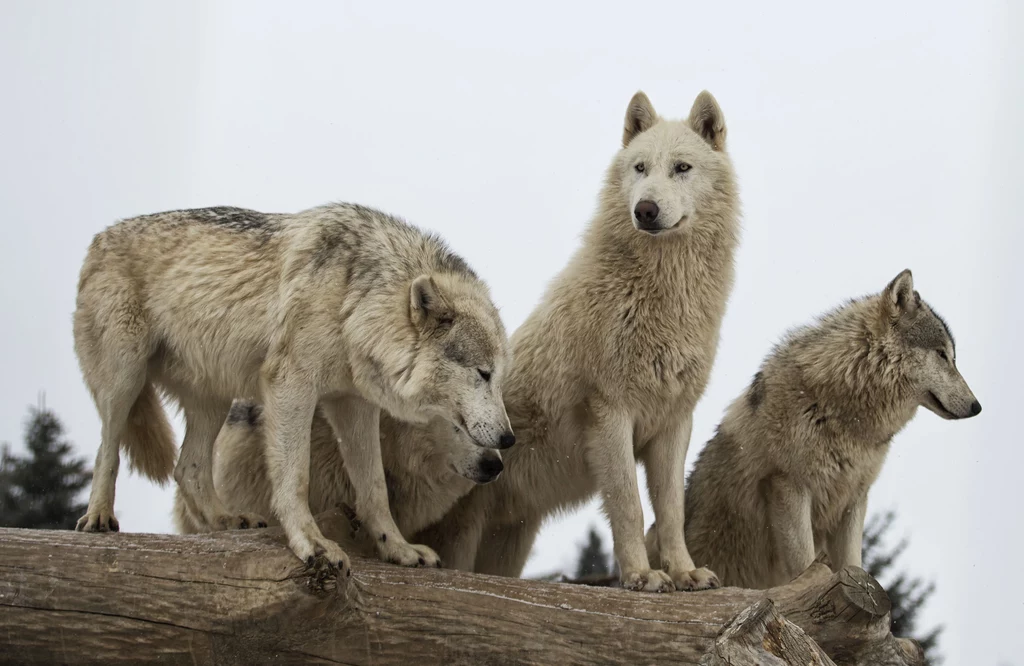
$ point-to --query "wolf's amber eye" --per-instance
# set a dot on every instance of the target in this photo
(486, 376)
(640, 167)
(683, 167)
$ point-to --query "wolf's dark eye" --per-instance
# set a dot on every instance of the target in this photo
(942, 355)
(640, 167)
(484, 375)
(683, 167)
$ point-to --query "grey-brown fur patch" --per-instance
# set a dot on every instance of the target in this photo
(244, 412)
(929, 331)
(755, 395)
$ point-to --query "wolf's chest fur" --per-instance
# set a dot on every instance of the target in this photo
(663, 332)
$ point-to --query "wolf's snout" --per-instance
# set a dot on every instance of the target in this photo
(506, 440)
(646, 213)
(489, 468)
(975, 408)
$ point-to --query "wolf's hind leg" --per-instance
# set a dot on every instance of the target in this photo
(114, 398)
(194, 472)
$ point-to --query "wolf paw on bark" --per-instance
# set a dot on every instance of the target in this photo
(697, 579)
(241, 521)
(407, 554)
(652, 580)
(102, 520)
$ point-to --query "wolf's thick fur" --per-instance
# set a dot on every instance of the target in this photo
(425, 475)
(786, 476)
(338, 305)
(608, 368)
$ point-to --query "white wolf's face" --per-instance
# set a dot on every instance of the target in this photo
(461, 360)
(928, 352)
(466, 459)
(668, 169)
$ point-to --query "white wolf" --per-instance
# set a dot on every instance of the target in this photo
(787, 475)
(608, 368)
(340, 306)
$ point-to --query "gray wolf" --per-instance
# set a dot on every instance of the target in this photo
(786, 476)
(339, 306)
(425, 475)
(609, 366)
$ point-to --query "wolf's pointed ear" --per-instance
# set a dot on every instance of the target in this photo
(640, 117)
(899, 297)
(707, 120)
(427, 307)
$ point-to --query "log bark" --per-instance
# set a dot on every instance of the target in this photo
(243, 598)
(760, 636)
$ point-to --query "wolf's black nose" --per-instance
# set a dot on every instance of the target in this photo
(490, 468)
(646, 213)
(975, 408)
(506, 440)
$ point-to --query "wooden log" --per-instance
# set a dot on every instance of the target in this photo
(760, 636)
(848, 614)
(243, 598)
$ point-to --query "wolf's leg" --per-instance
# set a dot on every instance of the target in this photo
(288, 406)
(609, 455)
(114, 398)
(356, 423)
(456, 537)
(504, 550)
(664, 460)
(194, 471)
(789, 517)
(844, 546)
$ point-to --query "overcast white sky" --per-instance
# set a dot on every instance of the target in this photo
(868, 138)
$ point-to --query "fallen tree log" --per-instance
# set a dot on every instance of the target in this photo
(243, 598)
(760, 636)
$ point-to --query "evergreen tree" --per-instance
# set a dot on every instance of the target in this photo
(41, 489)
(593, 560)
(907, 594)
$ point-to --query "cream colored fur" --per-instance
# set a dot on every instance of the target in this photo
(424, 480)
(340, 306)
(787, 475)
(608, 368)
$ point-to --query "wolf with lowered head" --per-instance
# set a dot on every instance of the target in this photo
(340, 306)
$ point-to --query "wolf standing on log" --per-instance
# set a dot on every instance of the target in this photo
(340, 306)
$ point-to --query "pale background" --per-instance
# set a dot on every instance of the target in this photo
(868, 138)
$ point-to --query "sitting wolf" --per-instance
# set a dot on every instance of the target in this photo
(340, 305)
(425, 475)
(786, 477)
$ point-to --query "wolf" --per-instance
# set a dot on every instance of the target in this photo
(609, 366)
(423, 480)
(786, 476)
(340, 306)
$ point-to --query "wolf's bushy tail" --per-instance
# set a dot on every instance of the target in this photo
(148, 439)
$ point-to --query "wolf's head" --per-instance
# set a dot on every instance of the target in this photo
(461, 357)
(669, 173)
(922, 340)
(463, 457)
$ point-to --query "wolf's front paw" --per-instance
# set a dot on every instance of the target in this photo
(241, 521)
(322, 554)
(652, 580)
(697, 579)
(406, 554)
(99, 520)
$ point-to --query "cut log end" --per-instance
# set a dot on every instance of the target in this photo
(760, 636)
